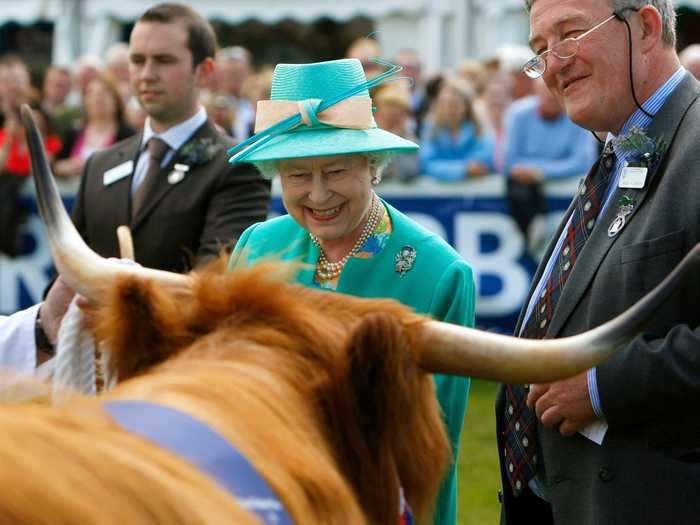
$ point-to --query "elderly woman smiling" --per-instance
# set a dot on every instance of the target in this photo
(317, 133)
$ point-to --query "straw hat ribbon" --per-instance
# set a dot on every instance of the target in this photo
(351, 113)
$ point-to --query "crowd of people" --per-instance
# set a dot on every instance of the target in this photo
(478, 118)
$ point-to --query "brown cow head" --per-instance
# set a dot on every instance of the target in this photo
(352, 360)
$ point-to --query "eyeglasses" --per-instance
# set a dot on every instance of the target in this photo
(567, 48)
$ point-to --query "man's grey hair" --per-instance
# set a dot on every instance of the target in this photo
(664, 7)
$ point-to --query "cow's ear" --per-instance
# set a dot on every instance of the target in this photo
(386, 421)
(141, 324)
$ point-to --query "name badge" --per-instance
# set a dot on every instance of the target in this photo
(118, 172)
(633, 177)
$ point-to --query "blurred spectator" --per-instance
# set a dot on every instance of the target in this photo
(117, 67)
(257, 86)
(55, 90)
(496, 102)
(393, 113)
(15, 166)
(104, 124)
(220, 111)
(233, 67)
(365, 49)
(690, 59)
(541, 144)
(432, 88)
(86, 68)
(474, 73)
(511, 59)
(410, 61)
(14, 84)
(453, 145)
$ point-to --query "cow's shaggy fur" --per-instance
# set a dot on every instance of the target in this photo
(320, 391)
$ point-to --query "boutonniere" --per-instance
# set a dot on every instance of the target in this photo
(198, 151)
(640, 148)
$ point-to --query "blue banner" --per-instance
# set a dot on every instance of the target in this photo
(471, 216)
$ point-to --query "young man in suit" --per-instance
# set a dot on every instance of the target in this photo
(172, 183)
(619, 444)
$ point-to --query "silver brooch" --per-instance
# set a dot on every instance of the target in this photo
(403, 262)
(178, 173)
(625, 209)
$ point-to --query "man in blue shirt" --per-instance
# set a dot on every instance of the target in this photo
(541, 144)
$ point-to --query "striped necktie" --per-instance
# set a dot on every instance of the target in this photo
(157, 148)
(520, 423)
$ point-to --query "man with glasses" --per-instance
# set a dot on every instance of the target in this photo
(621, 443)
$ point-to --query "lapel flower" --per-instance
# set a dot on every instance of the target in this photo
(198, 151)
(639, 147)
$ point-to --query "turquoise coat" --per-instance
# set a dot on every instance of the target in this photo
(439, 284)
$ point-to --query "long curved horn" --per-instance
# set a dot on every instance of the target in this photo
(84, 271)
(456, 350)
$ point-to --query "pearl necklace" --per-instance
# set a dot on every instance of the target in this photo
(327, 270)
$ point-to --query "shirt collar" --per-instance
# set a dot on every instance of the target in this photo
(178, 134)
(652, 105)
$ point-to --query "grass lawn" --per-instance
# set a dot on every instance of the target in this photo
(479, 480)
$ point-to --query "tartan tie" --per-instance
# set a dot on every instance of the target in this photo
(520, 423)
(157, 148)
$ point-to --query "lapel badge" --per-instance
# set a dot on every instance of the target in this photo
(633, 176)
(626, 207)
(178, 173)
(403, 262)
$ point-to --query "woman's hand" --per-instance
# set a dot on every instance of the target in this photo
(72, 167)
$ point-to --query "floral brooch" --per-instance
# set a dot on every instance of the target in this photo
(404, 259)
(639, 147)
(198, 151)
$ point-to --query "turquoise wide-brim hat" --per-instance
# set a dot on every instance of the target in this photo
(317, 110)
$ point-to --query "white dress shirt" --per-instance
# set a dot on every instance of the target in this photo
(17, 347)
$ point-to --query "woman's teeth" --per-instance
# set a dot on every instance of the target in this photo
(327, 213)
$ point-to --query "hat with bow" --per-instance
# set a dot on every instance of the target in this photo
(317, 110)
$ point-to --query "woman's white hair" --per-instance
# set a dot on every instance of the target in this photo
(377, 160)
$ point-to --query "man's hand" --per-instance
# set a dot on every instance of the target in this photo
(564, 405)
(477, 169)
(526, 174)
(54, 308)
